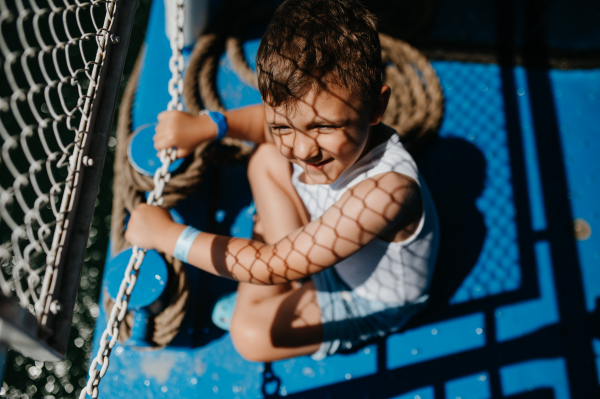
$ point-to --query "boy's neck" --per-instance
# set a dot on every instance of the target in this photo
(378, 134)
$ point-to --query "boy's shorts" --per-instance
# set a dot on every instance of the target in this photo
(349, 319)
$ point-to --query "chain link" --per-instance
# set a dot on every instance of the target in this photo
(161, 178)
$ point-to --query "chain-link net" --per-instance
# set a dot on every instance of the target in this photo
(51, 55)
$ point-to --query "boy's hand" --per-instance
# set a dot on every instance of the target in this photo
(184, 131)
(148, 225)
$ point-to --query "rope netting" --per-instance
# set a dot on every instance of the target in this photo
(51, 55)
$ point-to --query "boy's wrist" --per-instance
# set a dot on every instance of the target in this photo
(184, 243)
(218, 121)
(206, 130)
(166, 242)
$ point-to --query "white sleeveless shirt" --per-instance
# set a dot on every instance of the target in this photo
(395, 273)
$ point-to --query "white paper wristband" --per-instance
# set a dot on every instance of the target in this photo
(184, 243)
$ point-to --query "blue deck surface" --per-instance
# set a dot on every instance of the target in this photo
(514, 300)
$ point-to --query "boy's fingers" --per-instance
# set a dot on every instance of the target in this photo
(182, 153)
(163, 139)
(160, 129)
(162, 116)
(160, 144)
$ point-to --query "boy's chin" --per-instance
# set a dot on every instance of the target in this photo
(321, 177)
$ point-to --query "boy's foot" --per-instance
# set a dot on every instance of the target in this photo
(223, 311)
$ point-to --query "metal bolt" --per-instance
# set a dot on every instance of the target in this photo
(87, 161)
(114, 39)
(581, 229)
(55, 307)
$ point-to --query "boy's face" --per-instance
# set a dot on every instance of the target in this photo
(325, 132)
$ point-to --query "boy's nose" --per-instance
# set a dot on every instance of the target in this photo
(304, 147)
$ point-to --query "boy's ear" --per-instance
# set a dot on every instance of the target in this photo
(380, 105)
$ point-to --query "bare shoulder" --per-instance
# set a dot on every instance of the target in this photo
(398, 198)
(386, 189)
(382, 203)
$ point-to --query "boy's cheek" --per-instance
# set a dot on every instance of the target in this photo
(344, 154)
(340, 143)
(283, 147)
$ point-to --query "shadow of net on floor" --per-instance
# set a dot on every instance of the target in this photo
(454, 170)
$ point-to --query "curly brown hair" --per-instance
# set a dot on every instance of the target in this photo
(311, 44)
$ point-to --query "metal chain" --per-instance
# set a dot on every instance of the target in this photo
(161, 178)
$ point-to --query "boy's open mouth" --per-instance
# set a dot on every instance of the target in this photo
(319, 165)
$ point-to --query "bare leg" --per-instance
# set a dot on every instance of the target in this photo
(278, 327)
(278, 205)
(280, 210)
(279, 321)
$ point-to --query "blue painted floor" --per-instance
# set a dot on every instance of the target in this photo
(515, 299)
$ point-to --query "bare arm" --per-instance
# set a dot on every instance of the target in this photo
(360, 215)
(185, 131)
(247, 123)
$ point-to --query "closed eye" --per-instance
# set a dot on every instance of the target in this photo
(324, 127)
(280, 129)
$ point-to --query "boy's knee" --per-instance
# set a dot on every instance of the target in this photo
(250, 338)
(263, 160)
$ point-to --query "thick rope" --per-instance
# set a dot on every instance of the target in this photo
(417, 103)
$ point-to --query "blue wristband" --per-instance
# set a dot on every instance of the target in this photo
(219, 120)
(184, 243)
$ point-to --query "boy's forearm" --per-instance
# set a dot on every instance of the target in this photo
(200, 252)
(247, 123)
(234, 258)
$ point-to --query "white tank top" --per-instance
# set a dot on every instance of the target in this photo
(398, 272)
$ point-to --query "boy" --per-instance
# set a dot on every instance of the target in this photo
(340, 203)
